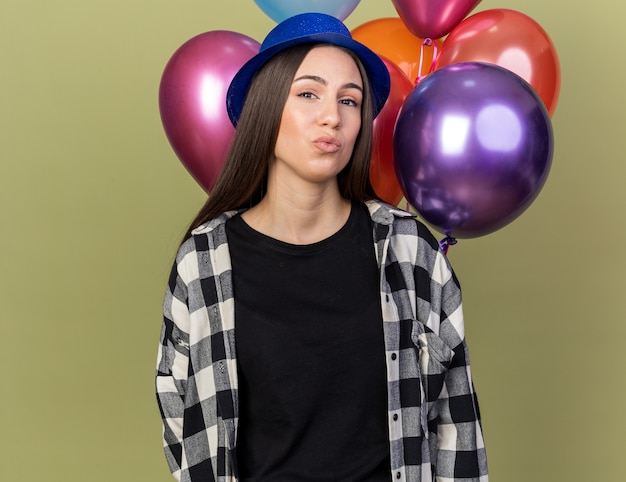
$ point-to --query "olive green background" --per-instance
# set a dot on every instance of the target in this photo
(94, 201)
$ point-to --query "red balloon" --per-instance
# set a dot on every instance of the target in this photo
(390, 38)
(382, 167)
(192, 100)
(511, 40)
(433, 18)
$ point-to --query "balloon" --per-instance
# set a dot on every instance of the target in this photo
(433, 18)
(192, 100)
(279, 10)
(473, 147)
(390, 38)
(511, 40)
(382, 170)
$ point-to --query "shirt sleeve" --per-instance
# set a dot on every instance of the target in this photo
(172, 367)
(461, 451)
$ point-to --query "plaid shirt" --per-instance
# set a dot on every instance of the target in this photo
(433, 417)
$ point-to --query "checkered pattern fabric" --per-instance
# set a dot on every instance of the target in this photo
(434, 422)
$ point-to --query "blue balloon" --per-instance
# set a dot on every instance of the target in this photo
(473, 147)
(279, 10)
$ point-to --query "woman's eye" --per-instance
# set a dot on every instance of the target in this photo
(307, 95)
(350, 102)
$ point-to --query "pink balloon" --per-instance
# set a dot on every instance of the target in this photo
(192, 100)
(433, 18)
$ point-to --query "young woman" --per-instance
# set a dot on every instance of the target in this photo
(311, 332)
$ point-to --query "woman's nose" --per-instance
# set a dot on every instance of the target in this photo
(329, 113)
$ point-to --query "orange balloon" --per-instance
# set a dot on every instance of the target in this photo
(390, 38)
(382, 169)
(511, 40)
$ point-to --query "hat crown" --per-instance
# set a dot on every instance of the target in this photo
(304, 25)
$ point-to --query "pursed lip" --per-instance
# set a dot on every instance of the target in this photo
(327, 144)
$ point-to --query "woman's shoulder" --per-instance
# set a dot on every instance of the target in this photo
(214, 223)
(405, 223)
(208, 236)
(384, 213)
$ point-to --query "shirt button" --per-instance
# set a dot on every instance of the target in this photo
(395, 417)
(394, 356)
(387, 298)
(398, 475)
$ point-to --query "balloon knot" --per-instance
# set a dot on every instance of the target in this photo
(446, 242)
(428, 42)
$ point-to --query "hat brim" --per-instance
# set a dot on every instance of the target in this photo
(375, 69)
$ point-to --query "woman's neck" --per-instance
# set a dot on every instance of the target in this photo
(302, 215)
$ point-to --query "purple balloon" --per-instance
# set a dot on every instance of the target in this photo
(192, 100)
(473, 147)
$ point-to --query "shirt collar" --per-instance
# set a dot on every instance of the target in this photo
(383, 213)
(380, 212)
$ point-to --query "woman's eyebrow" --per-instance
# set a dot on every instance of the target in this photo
(321, 80)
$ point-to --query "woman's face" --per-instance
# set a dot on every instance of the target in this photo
(321, 118)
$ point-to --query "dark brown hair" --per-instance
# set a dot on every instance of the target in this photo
(242, 181)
